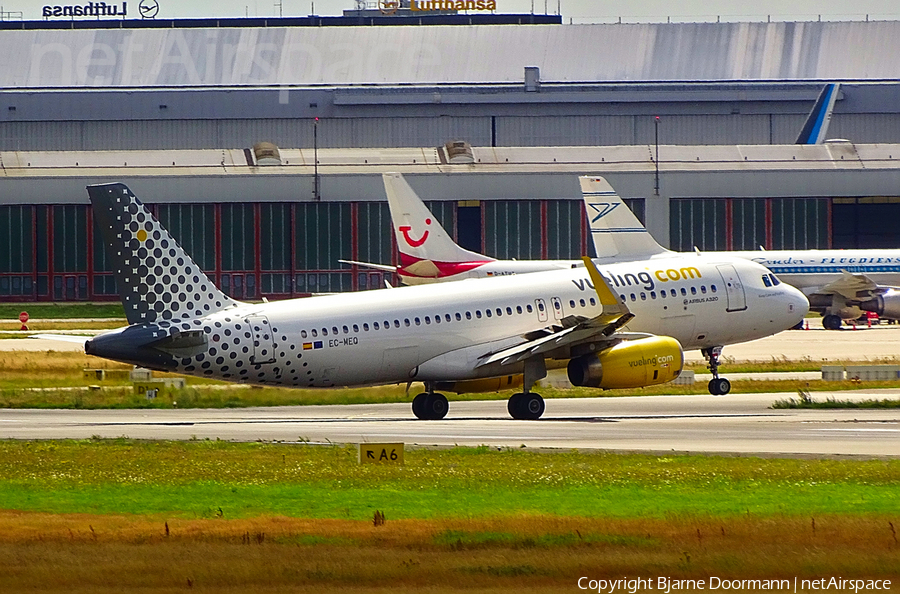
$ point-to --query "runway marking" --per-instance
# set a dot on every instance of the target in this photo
(873, 429)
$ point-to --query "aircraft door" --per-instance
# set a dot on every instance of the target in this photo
(734, 289)
(263, 343)
(541, 308)
(556, 302)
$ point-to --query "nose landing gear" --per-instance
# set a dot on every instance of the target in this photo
(718, 386)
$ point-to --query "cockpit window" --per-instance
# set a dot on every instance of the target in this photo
(766, 280)
(775, 281)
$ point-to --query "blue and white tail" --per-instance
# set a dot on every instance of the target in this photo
(157, 279)
(615, 230)
(816, 126)
(419, 235)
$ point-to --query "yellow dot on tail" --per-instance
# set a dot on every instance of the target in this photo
(141, 235)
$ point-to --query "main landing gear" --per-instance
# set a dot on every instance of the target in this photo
(718, 386)
(526, 405)
(832, 322)
(430, 405)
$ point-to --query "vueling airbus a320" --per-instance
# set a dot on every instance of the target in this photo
(510, 329)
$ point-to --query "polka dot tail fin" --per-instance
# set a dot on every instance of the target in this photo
(157, 279)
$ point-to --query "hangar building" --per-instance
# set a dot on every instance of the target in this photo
(175, 108)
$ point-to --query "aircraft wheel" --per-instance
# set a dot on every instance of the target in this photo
(531, 406)
(832, 322)
(435, 406)
(513, 405)
(719, 386)
(418, 406)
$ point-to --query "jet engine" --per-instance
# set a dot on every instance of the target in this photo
(629, 364)
(886, 305)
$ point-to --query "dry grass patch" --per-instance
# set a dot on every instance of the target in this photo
(274, 554)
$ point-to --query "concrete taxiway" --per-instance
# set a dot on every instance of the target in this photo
(739, 424)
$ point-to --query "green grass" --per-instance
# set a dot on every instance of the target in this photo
(207, 479)
(11, 311)
(808, 402)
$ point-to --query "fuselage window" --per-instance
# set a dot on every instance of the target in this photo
(346, 330)
(406, 322)
(652, 294)
(478, 313)
(703, 289)
(324, 331)
(518, 309)
(427, 320)
(314, 333)
(499, 312)
(366, 326)
(418, 322)
(303, 334)
(557, 304)
(437, 319)
(540, 306)
(396, 323)
(594, 302)
(458, 316)
(633, 297)
(643, 296)
(581, 302)
(622, 298)
(693, 290)
(468, 315)
(376, 326)
(488, 313)
(509, 311)
(683, 292)
(529, 309)
(334, 330)
(572, 303)
(712, 288)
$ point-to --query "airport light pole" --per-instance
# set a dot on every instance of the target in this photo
(316, 196)
(656, 142)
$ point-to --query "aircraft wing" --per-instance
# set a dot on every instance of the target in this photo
(850, 286)
(599, 330)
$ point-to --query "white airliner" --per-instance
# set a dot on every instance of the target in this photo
(453, 333)
(840, 284)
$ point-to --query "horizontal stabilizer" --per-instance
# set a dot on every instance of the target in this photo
(384, 267)
(62, 338)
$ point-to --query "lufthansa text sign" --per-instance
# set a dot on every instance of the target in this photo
(91, 9)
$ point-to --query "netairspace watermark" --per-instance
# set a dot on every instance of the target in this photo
(631, 585)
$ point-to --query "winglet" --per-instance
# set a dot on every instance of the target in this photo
(609, 301)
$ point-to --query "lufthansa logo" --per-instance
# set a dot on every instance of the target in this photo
(148, 9)
(388, 6)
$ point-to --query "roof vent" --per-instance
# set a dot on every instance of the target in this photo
(459, 152)
(266, 153)
(532, 79)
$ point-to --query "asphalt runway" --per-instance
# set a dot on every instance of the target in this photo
(738, 424)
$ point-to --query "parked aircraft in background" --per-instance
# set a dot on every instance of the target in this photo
(816, 126)
(450, 333)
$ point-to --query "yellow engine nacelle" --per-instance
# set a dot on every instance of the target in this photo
(629, 364)
(488, 384)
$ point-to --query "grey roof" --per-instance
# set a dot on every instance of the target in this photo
(422, 55)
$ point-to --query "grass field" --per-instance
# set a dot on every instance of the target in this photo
(54, 379)
(108, 516)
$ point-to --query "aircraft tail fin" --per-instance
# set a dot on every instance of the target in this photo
(419, 235)
(614, 229)
(816, 125)
(157, 279)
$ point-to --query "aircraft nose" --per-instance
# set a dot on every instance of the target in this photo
(797, 305)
